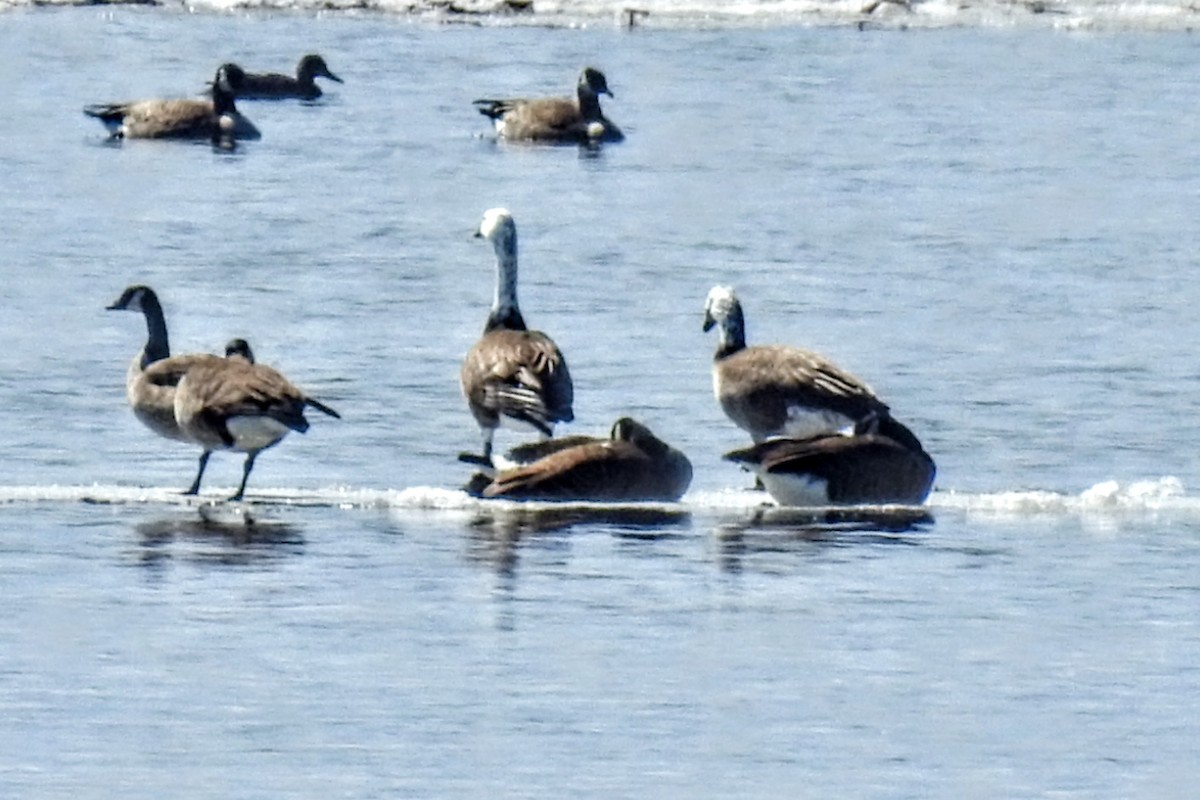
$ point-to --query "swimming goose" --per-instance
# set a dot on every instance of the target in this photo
(512, 376)
(216, 119)
(889, 466)
(274, 86)
(775, 390)
(233, 403)
(632, 464)
(153, 374)
(556, 119)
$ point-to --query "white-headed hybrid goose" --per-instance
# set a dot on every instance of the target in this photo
(233, 403)
(889, 466)
(556, 119)
(632, 464)
(216, 119)
(276, 86)
(153, 374)
(775, 390)
(512, 376)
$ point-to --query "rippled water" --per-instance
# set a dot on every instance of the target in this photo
(992, 227)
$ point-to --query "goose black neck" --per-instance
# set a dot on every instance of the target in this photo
(157, 344)
(505, 319)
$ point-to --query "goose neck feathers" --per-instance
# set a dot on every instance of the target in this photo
(499, 228)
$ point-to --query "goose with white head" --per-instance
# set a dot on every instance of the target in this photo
(512, 376)
(777, 390)
(577, 119)
(216, 119)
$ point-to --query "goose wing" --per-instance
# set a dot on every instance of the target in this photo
(518, 374)
(766, 385)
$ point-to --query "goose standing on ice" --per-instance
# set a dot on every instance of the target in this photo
(232, 403)
(631, 464)
(216, 119)
(775, 390)
(153, 374)
(512, 376)
(889, 466)
(556, 119)
(276, 86)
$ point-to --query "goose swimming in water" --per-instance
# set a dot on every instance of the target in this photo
(631, 465)
(216, 119)
(512, 376)
(276, 86)
(776, 390)
(233, 403)
(556, 119)
(889, 466)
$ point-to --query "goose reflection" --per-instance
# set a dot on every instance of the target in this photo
(244, 541)
(770, 533)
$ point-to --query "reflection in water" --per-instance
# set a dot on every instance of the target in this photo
(497, 532)
(228, 537)
(791, 530)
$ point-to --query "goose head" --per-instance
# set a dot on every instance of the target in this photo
(498, 228)
(136, 298)
(722, 309)
(312, 66)
(593, 81)
(239, 348)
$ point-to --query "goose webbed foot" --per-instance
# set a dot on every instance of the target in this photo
(476, 460)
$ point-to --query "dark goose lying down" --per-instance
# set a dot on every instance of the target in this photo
(631, 465)
(871, 468)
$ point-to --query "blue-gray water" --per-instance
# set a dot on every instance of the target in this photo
(995, 228)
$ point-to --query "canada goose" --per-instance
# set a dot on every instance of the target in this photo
(512, 375)
(556, 119)
(274, 86)
(216, 119)
(153, 374)
(632, 464)
(829, 469)
(775, 390)
(233, 403)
